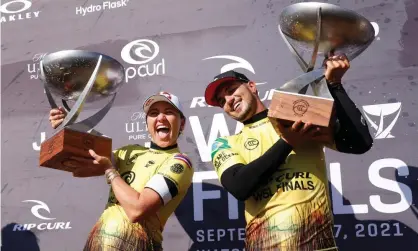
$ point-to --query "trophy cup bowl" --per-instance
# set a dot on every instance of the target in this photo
(342, 30)
(318, 29)
(66, 74)
(83, 77)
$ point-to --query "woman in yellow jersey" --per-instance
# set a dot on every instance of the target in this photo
(147, 184)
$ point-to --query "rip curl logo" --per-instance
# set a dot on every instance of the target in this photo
(38, 210)
(387, 115)
(300, 107)
(128, 177)
(141, 53)
(238, 63)
(39, 205)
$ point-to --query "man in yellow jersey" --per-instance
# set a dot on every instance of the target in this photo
(147, 184)
(282, 178)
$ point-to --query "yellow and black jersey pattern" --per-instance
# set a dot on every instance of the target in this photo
(167, 172)
(291, 211)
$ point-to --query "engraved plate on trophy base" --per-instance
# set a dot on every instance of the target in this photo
(294, 107)
(57, 151)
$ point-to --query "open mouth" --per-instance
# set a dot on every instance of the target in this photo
(236, 106)
(162, 130)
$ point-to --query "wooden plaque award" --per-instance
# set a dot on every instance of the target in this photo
(82, 76)
(58, 151)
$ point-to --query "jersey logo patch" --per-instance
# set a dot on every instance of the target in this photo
(184, 159)
(177, 168)
(128, 176)
(219, 144)
(150, 163)
(133, 158)
(251, 144)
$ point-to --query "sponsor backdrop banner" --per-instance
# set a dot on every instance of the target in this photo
(179, 46)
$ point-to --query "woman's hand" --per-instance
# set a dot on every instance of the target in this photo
(96, 166)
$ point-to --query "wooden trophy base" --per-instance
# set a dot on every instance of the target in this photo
(289, 107)
(57, 151)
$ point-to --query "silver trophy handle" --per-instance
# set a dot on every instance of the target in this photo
(65, 104)
(294, 52)
(316, 80)
(89, 123)
(297, 84)
(51, 100)
(78, 106)
(75, 111)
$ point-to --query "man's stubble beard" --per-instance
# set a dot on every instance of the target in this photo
(247, 112)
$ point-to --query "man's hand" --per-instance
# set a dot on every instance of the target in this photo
(96, 166)
(336, 67)
(56, 116)
(299, 133)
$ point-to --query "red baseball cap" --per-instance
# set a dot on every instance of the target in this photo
(210, 92)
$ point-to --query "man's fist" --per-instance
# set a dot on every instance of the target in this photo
(336, 67)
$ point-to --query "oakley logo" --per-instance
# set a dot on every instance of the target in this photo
(23, 4)
(140, 51)
(35, 209)
(388, 113)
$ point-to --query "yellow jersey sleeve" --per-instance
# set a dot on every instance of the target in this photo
(174, 177)
(224, 156)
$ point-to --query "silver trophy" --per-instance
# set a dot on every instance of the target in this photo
(81, 77)
(317, 29)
